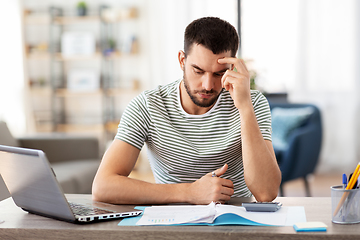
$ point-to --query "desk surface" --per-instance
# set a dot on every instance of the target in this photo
(22, 225)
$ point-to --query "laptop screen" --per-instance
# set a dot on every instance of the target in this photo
(31, 182)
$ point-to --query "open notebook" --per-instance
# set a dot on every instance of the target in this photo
(215, 214)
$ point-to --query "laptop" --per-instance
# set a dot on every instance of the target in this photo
(34, 188)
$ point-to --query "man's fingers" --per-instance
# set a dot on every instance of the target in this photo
(227, 183)
(222, 193)
(232, 77)
(221, 171)
(243, 63)
(227, 192)
(239, 64)
(227, 81)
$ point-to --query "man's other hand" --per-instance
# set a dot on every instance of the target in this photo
(208, 188)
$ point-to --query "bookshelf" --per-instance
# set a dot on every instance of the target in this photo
(77, 92)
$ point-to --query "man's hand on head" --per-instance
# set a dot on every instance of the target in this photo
(236, 82)
(209, 189)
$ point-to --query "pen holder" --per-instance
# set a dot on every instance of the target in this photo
(345, 205)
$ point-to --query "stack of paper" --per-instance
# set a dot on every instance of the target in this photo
(215, 214)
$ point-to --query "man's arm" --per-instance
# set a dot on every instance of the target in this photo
(261, 171)
(112, 184)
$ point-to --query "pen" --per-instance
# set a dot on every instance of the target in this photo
(350, 185)
(344, 180)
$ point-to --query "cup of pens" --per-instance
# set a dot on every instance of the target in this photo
(345, 205)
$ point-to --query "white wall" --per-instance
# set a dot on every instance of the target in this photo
(310, 48)
(12, 108)
(167, 20)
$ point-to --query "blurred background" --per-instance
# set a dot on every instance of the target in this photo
(72, 66)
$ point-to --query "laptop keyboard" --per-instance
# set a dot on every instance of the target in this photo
(83, 210)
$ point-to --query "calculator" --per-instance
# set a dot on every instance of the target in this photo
(262, 206)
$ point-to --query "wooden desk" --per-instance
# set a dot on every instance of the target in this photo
(22, 225)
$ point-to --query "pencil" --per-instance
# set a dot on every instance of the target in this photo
(350, 185)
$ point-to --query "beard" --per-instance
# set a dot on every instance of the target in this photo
(196, 99)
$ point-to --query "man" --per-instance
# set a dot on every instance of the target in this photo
(208, 135)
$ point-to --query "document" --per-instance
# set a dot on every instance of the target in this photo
(215, 214)
(170, 215)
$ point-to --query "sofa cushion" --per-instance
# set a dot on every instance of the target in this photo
(284, 121)
(76, 176)
(5, 136)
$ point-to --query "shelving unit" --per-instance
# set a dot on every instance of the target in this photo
(58, 106)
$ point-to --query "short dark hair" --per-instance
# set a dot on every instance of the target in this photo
(213, 33)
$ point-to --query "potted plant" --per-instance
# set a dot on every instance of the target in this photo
(81, 8)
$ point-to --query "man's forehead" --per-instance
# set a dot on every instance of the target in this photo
(203, 57)
(207, 61)
(221, 68)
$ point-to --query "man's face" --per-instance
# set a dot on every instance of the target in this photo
(202, 75)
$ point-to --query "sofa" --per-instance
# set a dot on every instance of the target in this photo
(297, 140)
(74, 159)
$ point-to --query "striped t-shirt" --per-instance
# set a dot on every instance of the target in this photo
(184, 147)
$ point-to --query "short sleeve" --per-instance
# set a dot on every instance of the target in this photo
(262, 113)
(134, 123)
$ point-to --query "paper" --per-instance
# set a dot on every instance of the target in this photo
(215, 214)
(169, 215)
